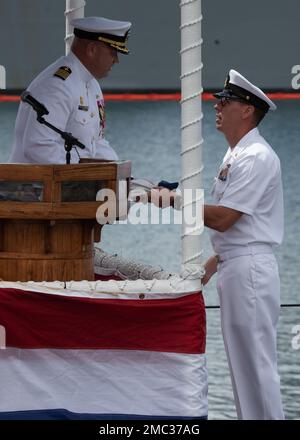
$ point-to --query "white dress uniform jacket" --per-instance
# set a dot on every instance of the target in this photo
(75, 104)
(248, 283)
(249, 181)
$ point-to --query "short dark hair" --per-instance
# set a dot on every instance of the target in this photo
(258, 115)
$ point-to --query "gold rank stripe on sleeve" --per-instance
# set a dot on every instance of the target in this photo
(63, 72)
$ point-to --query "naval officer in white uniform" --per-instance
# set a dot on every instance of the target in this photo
(247, 223)
(69, 89)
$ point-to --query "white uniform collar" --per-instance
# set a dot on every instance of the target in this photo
(85, 74)
(244, 142)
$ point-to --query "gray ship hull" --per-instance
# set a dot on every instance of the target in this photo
(259, 39)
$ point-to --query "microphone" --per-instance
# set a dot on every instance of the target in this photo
(41, 110)
(36, 105)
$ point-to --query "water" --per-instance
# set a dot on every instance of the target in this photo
(148, 134)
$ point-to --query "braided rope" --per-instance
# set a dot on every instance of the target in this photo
(191, 175)
(69, 12)
(192, 46)
(189, 124)
(191, 23)
(191, 148)
(191, 72)
(194, 95)
(186, 2)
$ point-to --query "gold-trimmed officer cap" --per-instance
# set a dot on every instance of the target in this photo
(237, 86)
(112, 32)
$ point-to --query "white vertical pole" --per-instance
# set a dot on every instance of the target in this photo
(74, 9)
(2, 78)
(191, 135)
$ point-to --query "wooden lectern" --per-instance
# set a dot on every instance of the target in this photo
(48, 218)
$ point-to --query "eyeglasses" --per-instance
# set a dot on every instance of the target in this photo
(226, 100)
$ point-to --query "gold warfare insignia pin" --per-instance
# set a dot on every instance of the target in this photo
(81, 106)
(63, 72)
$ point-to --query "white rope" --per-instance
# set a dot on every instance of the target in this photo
(191, 175)
(69, 11)
(190, 97)
(191, 23)
(191, 148)
(128, 268)
(188, 124)
(191, 72)
(186, 2)
(192, 46)
(190, 272)
(193, 202)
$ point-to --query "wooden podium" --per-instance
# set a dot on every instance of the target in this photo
(48, 218)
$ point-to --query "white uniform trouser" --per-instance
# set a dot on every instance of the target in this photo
(249, 291)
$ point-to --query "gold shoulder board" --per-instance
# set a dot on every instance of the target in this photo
(63, 72)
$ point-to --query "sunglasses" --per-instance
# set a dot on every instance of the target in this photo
(226, 100)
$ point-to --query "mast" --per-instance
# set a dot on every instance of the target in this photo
(2, 78)
(74, 9)
(191, 136)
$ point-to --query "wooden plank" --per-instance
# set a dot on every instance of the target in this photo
(26, 210)
(47, 191)
(76, 210)
(97, 232)
(26, 236)
(59, 256)
(123, 166)
(56, 192)
(2, 226)
(47, 270)
(82, 172)
(26, 172)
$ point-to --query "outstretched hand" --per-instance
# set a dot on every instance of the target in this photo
(161, 197)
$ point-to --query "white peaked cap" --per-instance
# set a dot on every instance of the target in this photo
(237, 85)
(111, 32)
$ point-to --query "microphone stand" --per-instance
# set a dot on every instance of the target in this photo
(70, 141)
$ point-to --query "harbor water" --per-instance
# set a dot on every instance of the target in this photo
(148, 134)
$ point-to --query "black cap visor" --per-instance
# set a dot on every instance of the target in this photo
(231, 91)
(226, 94)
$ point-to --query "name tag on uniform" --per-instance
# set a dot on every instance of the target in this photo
(224, 173)
(84, 108)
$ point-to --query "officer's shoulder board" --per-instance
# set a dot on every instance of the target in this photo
(63, 72)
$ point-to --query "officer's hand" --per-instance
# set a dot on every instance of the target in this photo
(210, 269)
(161, 197)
